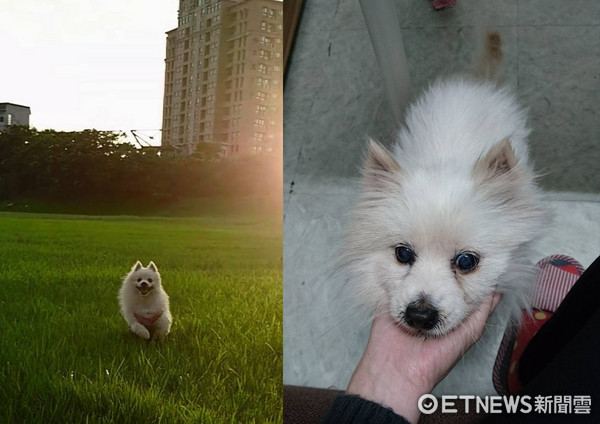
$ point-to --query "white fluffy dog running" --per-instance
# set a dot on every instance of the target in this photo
(144, 303)
(447, 216)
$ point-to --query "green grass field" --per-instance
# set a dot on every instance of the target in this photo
(66, 355)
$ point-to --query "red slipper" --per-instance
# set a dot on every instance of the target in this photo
(443, 4)
(557, 274)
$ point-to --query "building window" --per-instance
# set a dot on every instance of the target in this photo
(264, 53)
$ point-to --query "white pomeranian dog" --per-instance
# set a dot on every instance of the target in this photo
(446, 217)
(144, 303)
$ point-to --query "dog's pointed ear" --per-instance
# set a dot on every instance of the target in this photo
(379, 165)
(500, 160)
(152, 266)
(138, 265)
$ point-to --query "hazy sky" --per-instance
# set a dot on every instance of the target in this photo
(86, 64)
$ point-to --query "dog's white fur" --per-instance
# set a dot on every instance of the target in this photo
(458, 179)
(147, 306)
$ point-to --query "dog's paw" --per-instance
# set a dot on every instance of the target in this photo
(160, 333)
(141, 331)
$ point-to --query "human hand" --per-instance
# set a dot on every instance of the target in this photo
(397, 368)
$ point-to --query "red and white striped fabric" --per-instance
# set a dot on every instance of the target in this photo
(557, 274)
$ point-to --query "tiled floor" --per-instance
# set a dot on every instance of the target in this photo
(334, 98)
(334, 95)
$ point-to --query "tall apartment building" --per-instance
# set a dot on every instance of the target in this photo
(13, 114)
(224, 77)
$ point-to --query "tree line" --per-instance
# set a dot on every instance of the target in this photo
(101, 166)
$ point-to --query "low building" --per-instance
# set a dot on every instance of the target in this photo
(13, 114)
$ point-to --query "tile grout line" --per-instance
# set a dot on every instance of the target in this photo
(309, 113)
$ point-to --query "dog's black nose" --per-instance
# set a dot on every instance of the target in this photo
(421, 315)
(144, 284)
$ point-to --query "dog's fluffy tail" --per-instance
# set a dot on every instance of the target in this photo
(490, 59)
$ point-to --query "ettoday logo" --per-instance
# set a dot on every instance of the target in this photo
(557, 404)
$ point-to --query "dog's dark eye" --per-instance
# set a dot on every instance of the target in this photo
(149, 280)
(139, 279)
(405, 255)
(466, 262)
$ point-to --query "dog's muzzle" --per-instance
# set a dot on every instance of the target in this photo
(421, 315)
(144, 288)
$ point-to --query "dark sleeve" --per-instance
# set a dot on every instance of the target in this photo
(351, 409)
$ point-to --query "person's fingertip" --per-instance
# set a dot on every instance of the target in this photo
(495, 300)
